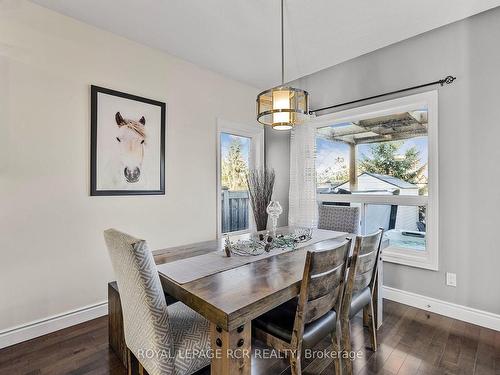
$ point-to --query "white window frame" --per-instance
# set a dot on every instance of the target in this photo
(256, 154)
(428, 259)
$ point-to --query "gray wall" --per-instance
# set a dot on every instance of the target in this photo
(278, 158)
(469, 150)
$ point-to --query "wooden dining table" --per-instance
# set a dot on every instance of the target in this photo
(231, 298)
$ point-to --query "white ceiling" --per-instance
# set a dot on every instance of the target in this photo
(240, 38)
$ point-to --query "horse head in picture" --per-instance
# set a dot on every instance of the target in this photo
(131, 139)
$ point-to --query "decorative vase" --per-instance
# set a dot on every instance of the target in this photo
(274, 210)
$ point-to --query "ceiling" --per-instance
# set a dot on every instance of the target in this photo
(240, 38)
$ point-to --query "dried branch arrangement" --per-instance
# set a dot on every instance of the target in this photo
(260, 187)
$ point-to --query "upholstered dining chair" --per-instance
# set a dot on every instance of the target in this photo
(304, 321)
(358, 294)
(338, 218)
(161, 340)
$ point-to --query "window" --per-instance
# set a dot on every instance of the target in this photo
(383, 158)
(239, 150)
(235, 163)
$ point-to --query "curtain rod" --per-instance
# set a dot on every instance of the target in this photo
(447, 80)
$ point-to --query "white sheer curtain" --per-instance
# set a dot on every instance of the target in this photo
(303, 208)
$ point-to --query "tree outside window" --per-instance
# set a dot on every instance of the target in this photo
(234, 166)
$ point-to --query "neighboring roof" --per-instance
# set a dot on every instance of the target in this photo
(388, 179)
(392, 180)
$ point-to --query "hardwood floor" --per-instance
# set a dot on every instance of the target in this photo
(411, 341)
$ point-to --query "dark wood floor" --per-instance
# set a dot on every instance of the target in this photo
(411, 341)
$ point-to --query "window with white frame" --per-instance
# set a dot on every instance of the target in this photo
(239, 149)
(383, 159)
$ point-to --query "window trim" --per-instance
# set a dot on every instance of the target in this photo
(256, 154)
(430, 258)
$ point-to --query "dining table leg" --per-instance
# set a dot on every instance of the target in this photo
(232, 351)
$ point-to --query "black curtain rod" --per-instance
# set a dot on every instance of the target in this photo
(447, 80)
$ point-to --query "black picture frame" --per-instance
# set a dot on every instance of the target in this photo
(94, 91)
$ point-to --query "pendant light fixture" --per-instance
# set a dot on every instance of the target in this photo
(282, 107)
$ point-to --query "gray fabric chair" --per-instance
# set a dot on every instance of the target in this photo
(172, 334)
(339, 218)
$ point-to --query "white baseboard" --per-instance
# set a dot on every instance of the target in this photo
(452, 310)
(51, 324)
(54, 323)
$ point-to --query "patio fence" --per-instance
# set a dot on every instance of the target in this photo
(235, 206)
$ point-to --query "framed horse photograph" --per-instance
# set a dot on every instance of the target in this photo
(127, 144)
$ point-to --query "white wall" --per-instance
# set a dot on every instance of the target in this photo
(53, 257)
(469, 152)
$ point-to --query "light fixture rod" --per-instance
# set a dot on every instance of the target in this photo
(282, 48)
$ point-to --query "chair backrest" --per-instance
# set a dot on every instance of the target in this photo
(322, 282)
(145, 315)
(363, 266)
(339, 218)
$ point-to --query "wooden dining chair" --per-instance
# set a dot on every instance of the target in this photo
(160, 340)
(359, 288)
(303, 322)
(338, 218)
